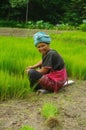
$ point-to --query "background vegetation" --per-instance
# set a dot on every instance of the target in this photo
(70, 12)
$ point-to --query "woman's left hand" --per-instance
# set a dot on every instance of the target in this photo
(28, 69)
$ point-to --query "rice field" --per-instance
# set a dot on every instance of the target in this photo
(16, 53)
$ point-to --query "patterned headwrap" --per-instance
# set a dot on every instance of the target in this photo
(41, 37)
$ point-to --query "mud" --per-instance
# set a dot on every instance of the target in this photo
(71, 102)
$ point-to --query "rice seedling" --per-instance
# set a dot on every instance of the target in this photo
(16, 55)
(72, 37)
(12, 86)
(50, 112)
(25, 127)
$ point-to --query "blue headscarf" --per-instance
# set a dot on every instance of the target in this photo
(41, 37)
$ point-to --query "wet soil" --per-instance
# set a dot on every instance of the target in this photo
(71, 102)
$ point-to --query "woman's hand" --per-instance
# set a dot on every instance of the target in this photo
(28, 69)
(33, 67)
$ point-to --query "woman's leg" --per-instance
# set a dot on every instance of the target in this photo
(34, 76)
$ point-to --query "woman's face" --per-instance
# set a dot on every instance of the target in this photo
(43, 48)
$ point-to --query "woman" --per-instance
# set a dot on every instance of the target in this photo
(51, 73)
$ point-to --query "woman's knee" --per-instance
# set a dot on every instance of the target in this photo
(31, 72)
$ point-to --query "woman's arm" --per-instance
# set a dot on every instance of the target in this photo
(37, 65)
(44, 70)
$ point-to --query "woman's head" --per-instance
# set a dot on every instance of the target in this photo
(41, 37)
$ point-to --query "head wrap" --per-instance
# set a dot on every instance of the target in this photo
(41, 37)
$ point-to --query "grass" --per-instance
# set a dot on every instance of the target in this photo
(18, 53)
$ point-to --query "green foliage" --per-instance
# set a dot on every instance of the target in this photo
(15, 3)
(30, 24)
(53, 11)
(74, 12)
(11, 23)
(26, 128)
(83, 27)
(65, 27)
(44, 25)
(49, 110)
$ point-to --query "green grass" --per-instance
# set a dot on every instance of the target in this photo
(18, 53)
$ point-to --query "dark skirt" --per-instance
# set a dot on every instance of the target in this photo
(54, 80)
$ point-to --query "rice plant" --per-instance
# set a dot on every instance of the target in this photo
(49, 110)
(16, 54)
(26, 128)
(13, 86)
